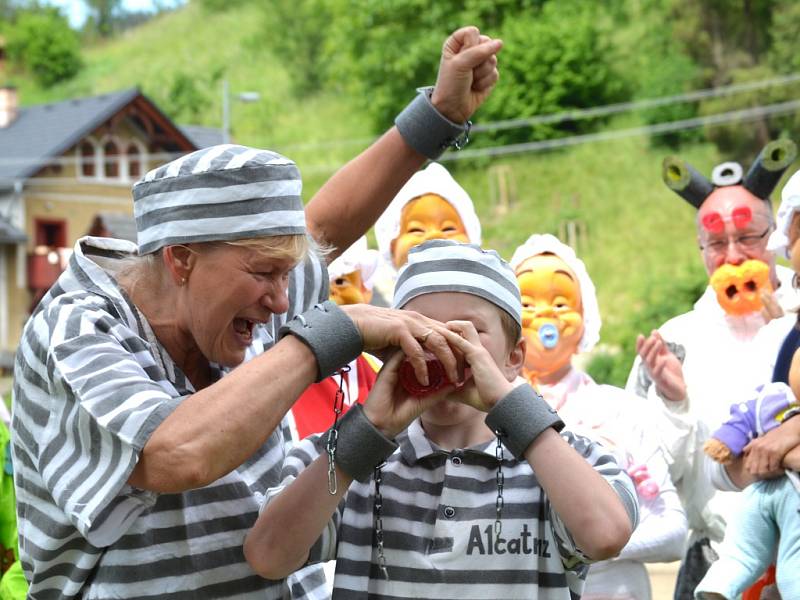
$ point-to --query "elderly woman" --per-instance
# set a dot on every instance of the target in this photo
(139, 467)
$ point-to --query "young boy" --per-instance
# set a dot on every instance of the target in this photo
(453, 512)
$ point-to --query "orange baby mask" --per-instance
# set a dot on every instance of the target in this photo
(739, 287)
(552, 314)
(428, 217)
(349, 289)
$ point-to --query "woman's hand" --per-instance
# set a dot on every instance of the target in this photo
(764, 455)
(490, 384)
(385, 329)
(389, 407)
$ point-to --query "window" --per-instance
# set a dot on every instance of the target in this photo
(110, 160)
(87, 159)
(134, 161)
(51, 233)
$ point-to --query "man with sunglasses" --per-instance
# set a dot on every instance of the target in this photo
(697, 364)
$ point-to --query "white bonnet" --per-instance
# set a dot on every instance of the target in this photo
(357, 257)
(541, 243)
(434, 179)
(790, 203)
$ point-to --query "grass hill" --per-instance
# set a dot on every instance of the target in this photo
(639, 245)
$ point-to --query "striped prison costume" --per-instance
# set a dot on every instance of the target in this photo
(91, 384)
(438, 512)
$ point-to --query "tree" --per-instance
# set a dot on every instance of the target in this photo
(104, 13)
(43, 42)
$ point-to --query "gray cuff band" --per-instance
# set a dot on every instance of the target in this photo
(520, 417)
(360, 447)
(426, 130)
(329, 333)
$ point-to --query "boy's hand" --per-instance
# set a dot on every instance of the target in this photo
(389, 407)
(489, 382)
(663, 366)
(384, 329)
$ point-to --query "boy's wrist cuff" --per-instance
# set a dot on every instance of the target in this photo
(360, 446)
(520, 416)
(330, 334)
(426, 130)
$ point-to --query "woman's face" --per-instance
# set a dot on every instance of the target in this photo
(552, 314)
(429, 217)
(229, 290)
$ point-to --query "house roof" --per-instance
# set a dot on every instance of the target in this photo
(10, 234)
(44, 131)
(202, 137)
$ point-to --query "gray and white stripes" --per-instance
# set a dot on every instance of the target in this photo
(438, 516)
(449, 266)
(91, 384)
(223, 192)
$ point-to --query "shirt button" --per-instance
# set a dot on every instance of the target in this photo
(457, 460)
(449, 512)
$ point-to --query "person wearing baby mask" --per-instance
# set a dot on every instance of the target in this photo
(561, 319)
(698, 363)
(431, 205)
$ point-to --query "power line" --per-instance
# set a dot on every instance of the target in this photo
(609, 109)
(747, 114)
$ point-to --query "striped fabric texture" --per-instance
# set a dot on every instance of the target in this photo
(449, 266)
(438, 525)
(224, 192)
(91, 383)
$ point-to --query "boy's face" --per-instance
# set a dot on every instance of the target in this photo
(485, 316)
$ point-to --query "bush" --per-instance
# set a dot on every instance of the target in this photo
(43, 42)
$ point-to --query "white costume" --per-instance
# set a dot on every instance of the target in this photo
(724, 358)
(617, 420)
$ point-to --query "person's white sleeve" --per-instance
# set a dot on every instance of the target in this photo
(663, 528)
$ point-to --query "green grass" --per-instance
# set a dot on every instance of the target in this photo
(640, 235)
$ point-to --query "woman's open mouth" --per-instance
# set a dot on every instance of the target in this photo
(243, 328)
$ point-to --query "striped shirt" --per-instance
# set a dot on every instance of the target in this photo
(438, 513)
(91, 385)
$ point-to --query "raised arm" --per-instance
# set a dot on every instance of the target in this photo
(351, 201)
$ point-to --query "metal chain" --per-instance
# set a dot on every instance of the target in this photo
(378, 525)
(333, 432)
(498, 452)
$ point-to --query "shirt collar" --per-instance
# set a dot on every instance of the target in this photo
(415, 446)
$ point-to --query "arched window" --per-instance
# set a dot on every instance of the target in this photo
(134, 161)
(87, 159)
(111, 159)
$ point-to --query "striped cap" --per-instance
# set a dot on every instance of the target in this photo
(224, 192)
(450, 266)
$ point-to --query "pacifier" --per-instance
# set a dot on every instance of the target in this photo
(739, 287)
(548, 335)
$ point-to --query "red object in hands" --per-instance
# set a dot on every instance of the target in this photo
(437, 378)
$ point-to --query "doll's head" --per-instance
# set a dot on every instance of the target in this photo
(431, 205)
(560, 316)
